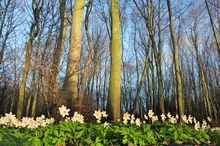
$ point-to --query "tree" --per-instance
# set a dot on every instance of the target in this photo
(70, 88)
(56, 59)
(157, 49)
(89, 57)
(7, 19)
(34, 30)
(176, 63)
(115, 66)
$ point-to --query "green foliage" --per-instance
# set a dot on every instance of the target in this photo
(116, 133)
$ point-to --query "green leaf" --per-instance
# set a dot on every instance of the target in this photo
(56, 133)
(125, 141)
(54, 140)
(217, 140)
(10, 137)
(47, 139)
(97, 140)
(79, 134)
(36, 141)
(99, 144)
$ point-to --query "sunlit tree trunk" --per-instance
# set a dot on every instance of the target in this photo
(115, 67)
(179, 85)
(33, 33)
(70, 87)
(32, 83)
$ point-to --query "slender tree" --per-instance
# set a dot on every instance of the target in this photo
(115, 67)
(89, 57)
(52, 89)
(34, 30)
(157, 49)
(179, 85)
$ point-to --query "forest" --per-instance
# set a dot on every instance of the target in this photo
(111, 55)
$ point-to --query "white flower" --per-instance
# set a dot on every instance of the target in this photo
(194, 120)
(17, 123)
(126, 116)
(67, 118)
(172, 120)
(154, 119)
(9, 119)
(104, 114)
(26, 121)
(106, 124)
(150, 113)
(204, 125)
(163, 117)
(125, 121)
(197, 125)
(32, 124)
(138, 122)
(209, 119)
(132, 121)
(190, 119)
(77, 117)
(169, 115)
(64, 111)
(51, 120)
(177, 116)
(98, 114)
(132, 117)
(184, 118)
(146, 117)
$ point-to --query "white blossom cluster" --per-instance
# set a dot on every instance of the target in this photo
(99, 114)
(10, 120)
(76, 117)
(172, 119)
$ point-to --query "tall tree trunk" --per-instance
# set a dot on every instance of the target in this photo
(143, 77)
(149, 19)
(70, 88)
(179, 85)
(157, 56)
(33, 33)
(89, 57)
(115, 67)
(201, 73)
(52, 93)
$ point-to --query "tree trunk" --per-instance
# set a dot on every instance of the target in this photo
(143, 77)
(89, 57)
(115, 67)
(179, 85)
(70, 88)
(34, 30)
(52, 93)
